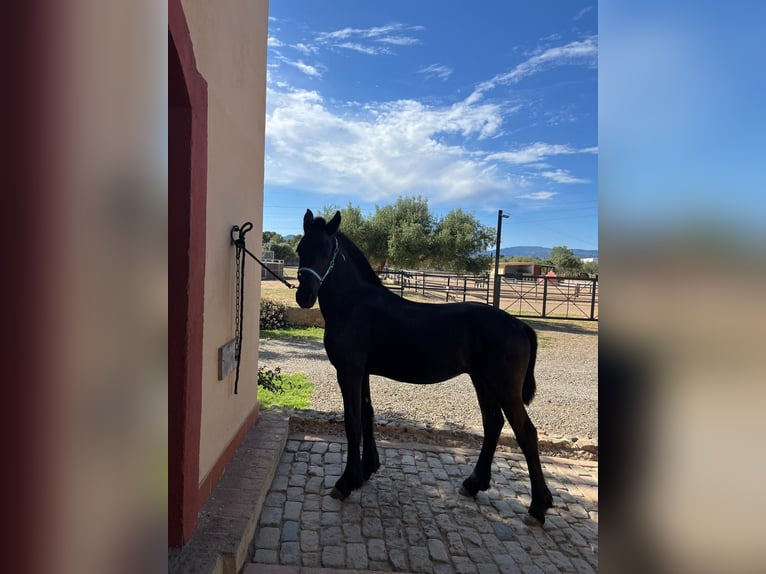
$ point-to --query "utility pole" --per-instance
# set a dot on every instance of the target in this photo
(496, 298)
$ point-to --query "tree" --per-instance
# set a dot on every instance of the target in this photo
(352, 223)
(401, 233)
(295, 240)
(272, 237)
(565, 261)
(591, 267)
(459, 241)
(283, 251)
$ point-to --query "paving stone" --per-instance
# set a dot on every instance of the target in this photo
(419, 559)
(298, 480)
(303, 457)
(398, 559)
(455, 544)
(464, 565)
(309, 540)
(319, 447)
(334, 557)
(292, 445)
(478, 555)
(279, 483)
(372, 527)
(289, 553)
(311, 559)
(292, 510)
(332, 458)
(330, 504)
(507, 564)
(414, 535)
(352, 532)
(376, 549)
(265, 556)
(267, 538)
(271, 516)
(289, 531)
(503, 531)
(315, 461)
(330, 519)
(275, 499)
(333, 447)
(351, 513)
(295, 493)
(356, 556)
(312, 502)
(437, 550)
(331, 535)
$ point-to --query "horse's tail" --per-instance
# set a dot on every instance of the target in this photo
(529, 387)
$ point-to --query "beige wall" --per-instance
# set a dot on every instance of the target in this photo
(230, 46)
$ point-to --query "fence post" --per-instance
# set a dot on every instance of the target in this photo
(464, 280)
(593, 298)
(545, 294)
(487, 288)
(401, 284)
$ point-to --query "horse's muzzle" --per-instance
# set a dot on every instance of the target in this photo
(305, 298)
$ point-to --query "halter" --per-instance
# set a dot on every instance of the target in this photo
(326, 273)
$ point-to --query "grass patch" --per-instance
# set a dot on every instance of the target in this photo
(294, 332)
(296, 395)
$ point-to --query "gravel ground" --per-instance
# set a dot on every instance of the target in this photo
(566, 403)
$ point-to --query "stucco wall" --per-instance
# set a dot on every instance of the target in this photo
(230, 45)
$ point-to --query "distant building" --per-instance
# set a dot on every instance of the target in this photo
(521, 269)
(589, 259)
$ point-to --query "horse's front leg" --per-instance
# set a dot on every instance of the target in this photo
(350, 381)
(370, 459)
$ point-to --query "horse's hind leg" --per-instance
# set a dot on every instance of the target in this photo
(370, 460)
(492, 417)
(526, 436)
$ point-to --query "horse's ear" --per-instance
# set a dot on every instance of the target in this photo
(334, 223)
(307, 219)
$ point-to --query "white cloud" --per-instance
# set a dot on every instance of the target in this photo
(365, 40)
(370, 50)
(379, 151)
(538, 195)
(307, 69)
(562, 176)
(398, 40)
(274, 42)
(579, 52)
(582, 12)
(436, 71)
(537, 152)
(306, 49)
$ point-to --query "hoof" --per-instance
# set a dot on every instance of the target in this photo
(465, 492)
(530, 520)
(337, 494)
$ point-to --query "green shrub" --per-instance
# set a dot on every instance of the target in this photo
(273, 314)
(294, 391)
(270, 380)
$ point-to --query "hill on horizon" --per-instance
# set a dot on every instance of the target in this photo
(535, 251)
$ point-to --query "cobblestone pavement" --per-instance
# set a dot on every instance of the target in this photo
(409, 516)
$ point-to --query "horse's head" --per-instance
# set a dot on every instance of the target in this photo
(316, 252)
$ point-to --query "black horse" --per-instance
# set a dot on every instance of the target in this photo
(370, 330)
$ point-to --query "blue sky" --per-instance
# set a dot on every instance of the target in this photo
(482, 106)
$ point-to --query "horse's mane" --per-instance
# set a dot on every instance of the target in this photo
(359, 259)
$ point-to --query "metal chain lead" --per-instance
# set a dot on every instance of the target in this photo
(237, 304)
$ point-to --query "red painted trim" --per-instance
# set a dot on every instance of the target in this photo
(187, 200)
(217, 471)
